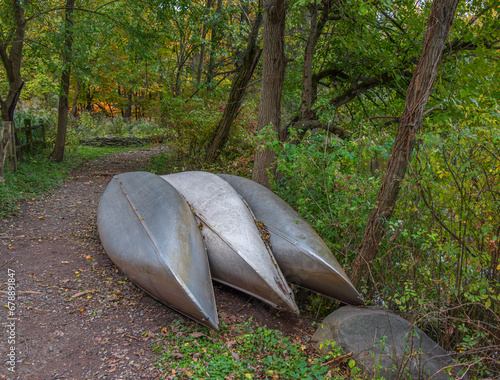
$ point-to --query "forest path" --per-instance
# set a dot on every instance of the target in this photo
(77, 316)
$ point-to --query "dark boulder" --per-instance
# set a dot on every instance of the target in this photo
(385, 344)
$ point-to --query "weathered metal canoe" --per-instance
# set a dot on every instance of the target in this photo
(302, 255)
(148, 230)
(237, 254)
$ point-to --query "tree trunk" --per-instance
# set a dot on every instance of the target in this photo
(238, 90)
(89, 95)
(199, 70)
(63, 107)
(127, 109)
(213, 42)
(12, 60)
(74, 108)
(439, 24)
(307, 116)
(317, 26)
(273, 74)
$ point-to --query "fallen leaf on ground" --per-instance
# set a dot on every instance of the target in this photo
(81, 294)
(197, 335)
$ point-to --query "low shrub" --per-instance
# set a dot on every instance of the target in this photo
(245, 351)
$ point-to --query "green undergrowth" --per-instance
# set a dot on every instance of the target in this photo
(38, 175)
(244, 350)
(169, 162)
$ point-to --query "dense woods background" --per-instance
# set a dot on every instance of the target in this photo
(308, 97)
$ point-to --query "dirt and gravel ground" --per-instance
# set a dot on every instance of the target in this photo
(76, 315)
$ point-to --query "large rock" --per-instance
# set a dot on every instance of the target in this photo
(385, 344)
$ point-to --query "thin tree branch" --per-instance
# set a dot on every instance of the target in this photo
(396, 24)
(476, 17)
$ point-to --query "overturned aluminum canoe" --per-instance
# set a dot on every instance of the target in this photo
(237, 254)
(302, 255)
(148, 230)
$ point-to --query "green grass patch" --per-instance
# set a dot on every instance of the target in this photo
(40, 175)
(244, 351)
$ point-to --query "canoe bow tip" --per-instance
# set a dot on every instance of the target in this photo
(291, 306)
(214, 325)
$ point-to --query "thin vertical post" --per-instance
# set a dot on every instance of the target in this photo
(43, 133)
(29, 135)
(7, 148)
(4, 141)
(11, 147)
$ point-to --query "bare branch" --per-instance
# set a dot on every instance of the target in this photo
(357, 89)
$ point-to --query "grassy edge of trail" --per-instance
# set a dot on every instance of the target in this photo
(39, 175)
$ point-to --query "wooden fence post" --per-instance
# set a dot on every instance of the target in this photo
(11, 146)
(4, 143)
(2, 151)
(29, 135)
(44, 128)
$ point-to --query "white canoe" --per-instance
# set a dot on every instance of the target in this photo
(148, 230)
(237, 254)
(302, 255)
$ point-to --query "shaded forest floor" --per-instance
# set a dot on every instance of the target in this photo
(77, 316)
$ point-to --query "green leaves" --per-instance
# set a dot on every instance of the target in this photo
(240, 350)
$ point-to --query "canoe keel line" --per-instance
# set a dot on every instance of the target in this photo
(149, 232)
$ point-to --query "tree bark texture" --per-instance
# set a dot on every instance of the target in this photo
(238, 90)
(63, 107)
(417, 96)
(273, 74)
(12, 60)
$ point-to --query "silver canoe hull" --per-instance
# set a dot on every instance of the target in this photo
(237, 254)
(302, 255)
(149, 232)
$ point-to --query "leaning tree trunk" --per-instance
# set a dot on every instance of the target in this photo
(439, 24)
(238, 90)
(12, 59)
(63, 107)
(273, 74)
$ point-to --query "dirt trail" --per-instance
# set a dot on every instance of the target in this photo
(76, 315)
